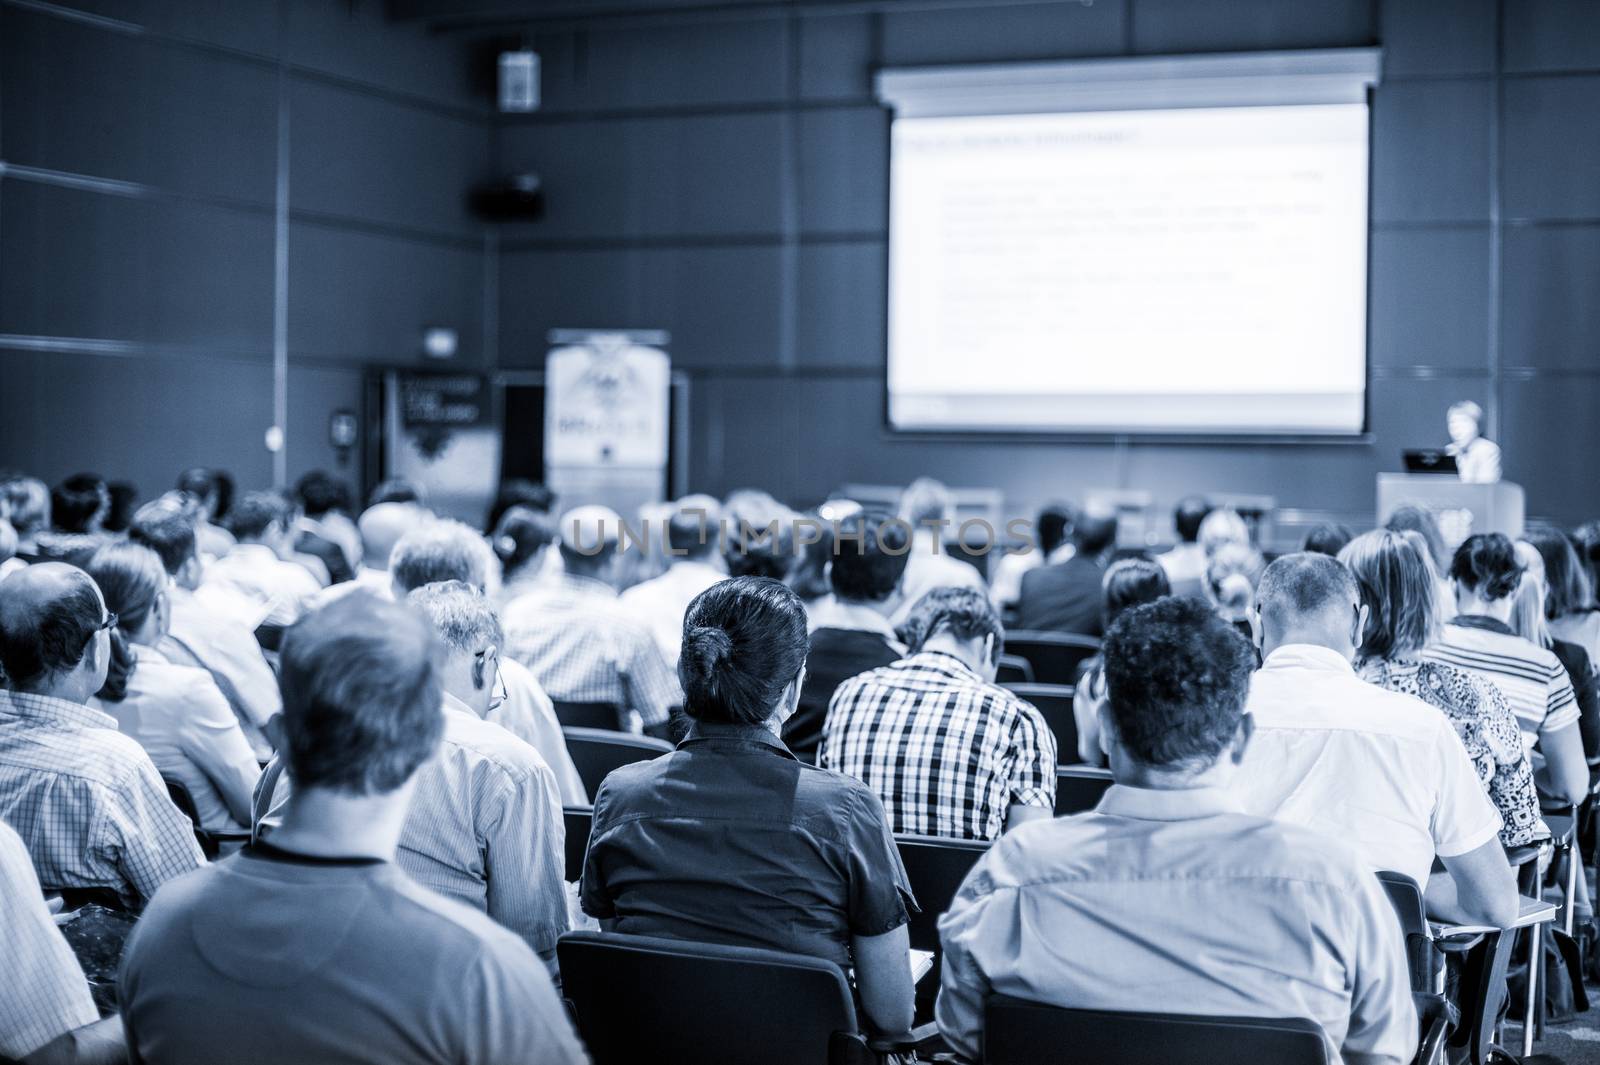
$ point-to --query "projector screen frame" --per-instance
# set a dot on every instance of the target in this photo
(1198, 81)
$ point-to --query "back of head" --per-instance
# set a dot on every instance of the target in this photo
(398, 490)
(319, 492)
(1527, 602)
(1566, 578)
(1220, 527)
(200, 483)
(77, 503)
(925, 500)
(520, 493)
(1187, 516)
(256, 513)
(1055, 523)
(124, 494)
(744, 642)
(461, 615)
(361, 695)
(692, 526)
(1094, 530)
(1486, 564)
(1232, 571)
(48, 614)
(131, 578)
(1585, 538)
(869, 556)
(1399, 586)
(383, 525)
(1409, 517)
(964, 613)
(589, 539)
(1176, 678)
(1304, 591)
(28, 504)
(166, 526)
(1328, 538)
(522, 536)
(1131, 582)
(768, 551)
(442, 550)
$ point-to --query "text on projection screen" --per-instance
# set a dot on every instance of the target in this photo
(1199, 270)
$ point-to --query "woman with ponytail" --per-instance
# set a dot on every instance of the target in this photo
(177, 713)
(731, 839)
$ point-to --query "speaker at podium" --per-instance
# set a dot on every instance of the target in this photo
(1461, 509)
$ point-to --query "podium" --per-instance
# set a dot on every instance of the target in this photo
(1461, 509)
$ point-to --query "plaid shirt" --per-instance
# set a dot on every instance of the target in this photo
(584, 648)
(947, 753)
(87, 801)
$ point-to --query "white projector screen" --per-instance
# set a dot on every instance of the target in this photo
(1197, 269)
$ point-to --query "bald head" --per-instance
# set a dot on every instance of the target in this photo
(50, 620)
(1309, 598)
(382, 525)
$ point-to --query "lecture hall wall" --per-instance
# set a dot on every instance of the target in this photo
(721, 174)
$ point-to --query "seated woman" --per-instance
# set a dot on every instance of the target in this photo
(1572, 618)
(1398, 586)
(730, 839)
(1232, 573)
(177, 713)
(1485, 573)
(1127, 583)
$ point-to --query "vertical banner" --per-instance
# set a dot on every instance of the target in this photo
(607, 396)
(442, 434)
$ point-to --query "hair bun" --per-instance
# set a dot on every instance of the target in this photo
(709, 648)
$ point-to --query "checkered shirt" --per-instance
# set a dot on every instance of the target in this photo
(87, 801)
(947, 753)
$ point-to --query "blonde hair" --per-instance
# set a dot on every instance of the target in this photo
(1231, 578)
(1222, 527)
(1399, 586)
(1527, 603)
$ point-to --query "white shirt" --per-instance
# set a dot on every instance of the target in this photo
(928, 566)
(377, 581)
(660, 603)
(46, 995)
(1185, 566)
(218, 643)
(257, 573)
(1478, 462)
(1383, 771)
(180, 718)
(829, 613)
(528, 715)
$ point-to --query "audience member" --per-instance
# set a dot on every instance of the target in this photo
(47, 1015)
(381, 527)
(398, 490)
(1323, 736)
(123, 495)
(1050, 545)
(1222, 525)
(1485, 573)
(323, 529)
(659, 603)
(258, 569)
(1528, 621)
(1586, 540)
(1420, 520)
(929, 509)
(1169, 894)
(730, 839)
(519, 493)
(760, 542)
(1127, 584)
(574, 636)
(948, 752)
(1232, 572)
(78, 509)
(1397, 582)
(28, 510)
(850, 629)
(86, 799)
(522, 543)
(1328, 539)
(1185, 564)
(1569, 597)
(208, 635)
(317, 945)
(204, 487)
(1065, 597)
(175, 711)
(1477, 459)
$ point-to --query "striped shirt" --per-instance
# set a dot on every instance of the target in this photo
(87, 801)
(1532, 678)
(947, 753)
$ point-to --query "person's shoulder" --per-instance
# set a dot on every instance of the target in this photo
(182, 894)
(455, 927)
(496, 746)
(1308, 854)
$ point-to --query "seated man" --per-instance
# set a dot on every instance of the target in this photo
(1185, 564)
(850, 630)
(927, 506)
(257, 569)
(948, 752)
(659, 603)
(1167, 896)
(1382, 770)
(578, 640)
(1066, 597)
(382, 526)
(202, 487)
(85, 798)
(316, 946)
(47, 1014)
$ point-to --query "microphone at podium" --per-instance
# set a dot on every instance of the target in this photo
(1477, 459)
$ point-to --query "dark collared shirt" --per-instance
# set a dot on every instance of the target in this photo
(730, 839)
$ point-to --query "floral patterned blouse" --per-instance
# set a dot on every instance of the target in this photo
(1483, 719)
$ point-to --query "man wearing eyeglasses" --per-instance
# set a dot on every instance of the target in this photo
(485, 823)
(86, 799)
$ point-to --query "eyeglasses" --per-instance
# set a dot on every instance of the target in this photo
(500, 695)
(109, 623)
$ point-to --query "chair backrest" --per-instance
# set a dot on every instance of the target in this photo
(1406, 898)
(1055, 656)
(641, 998)
(596, 752)
(1013, 669)
(178, 792)
(1029, 1033)
(936, 867)
(1055, 703)
(605, 716)
(1079, 787)
(578, 820)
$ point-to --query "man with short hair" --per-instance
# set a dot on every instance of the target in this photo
(258, 568)
(382, 526)
(1167, 896)
(948, 752)
(85, 798)
(316, 945)
(205, 634)
(200, 484)
(323, 528)
(27, 501)
(927, 506)
(659, 603)
(1185, 564)
(1066, 597)
(578, 640)
(1380, 769)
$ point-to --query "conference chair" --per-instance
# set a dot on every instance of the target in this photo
(596, 752)
(1013, 669)
(1055, 656)
(1017, 1032)
(579, 820)
(211, 842)
(637, 999)
(935, 868)
(1055, 703)
(1079, 787)
(589, 715)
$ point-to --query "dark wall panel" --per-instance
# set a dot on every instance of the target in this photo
(246, 25)
(315, 392)
(1549, 434)
(1004, 33)
(836, 57)
(1246, 25)
(844, 171)
(842, 305)
(1430, 151)
(1552, 155)
(1425, 37)
(1552, 35)
(355, 42)
(1551, 318)
(1430, 297)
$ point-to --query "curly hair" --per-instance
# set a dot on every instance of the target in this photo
(1486, 563)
